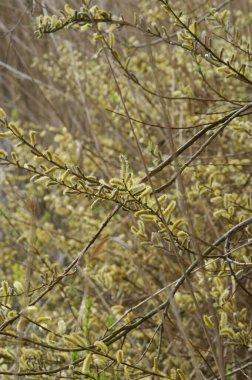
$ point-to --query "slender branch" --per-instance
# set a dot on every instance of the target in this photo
(224, 120)
(76, 262)
(121, 332)
(234, 371)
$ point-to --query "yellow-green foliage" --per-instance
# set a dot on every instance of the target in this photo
(125, 197)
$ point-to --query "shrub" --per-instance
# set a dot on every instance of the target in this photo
(126, 218)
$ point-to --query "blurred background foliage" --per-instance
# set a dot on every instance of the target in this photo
(79, 101)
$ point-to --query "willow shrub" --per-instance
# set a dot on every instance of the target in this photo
(126, 226)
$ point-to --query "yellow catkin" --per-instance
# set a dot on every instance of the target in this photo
(87, 363)
(181, 374)
(119, 356)
(102, 346)
(2, 114)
